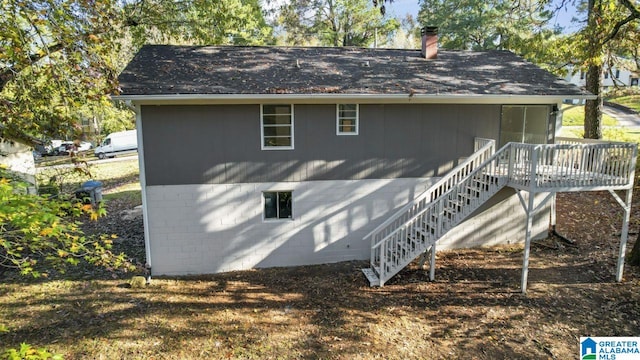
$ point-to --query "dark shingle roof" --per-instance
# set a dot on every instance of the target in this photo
(170, 70)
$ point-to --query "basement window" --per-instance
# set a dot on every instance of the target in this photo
(276, 127)
(347, 119)
(278, 205)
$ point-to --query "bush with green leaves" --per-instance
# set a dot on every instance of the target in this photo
(39, 234)
(26, 352)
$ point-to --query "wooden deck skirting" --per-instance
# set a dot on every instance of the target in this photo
(569, 165)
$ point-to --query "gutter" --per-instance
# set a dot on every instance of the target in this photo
(197, 99)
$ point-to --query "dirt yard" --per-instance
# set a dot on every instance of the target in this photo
(474, 309)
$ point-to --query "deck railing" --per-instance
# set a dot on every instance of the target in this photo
(572, 166)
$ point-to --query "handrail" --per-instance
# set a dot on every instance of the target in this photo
(483, 148)
(446, 195)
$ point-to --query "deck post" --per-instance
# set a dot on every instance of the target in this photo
(527, 243)
(624, 235)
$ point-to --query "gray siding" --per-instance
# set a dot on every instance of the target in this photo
(220, 144)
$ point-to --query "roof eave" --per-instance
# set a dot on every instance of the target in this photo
(201, 99)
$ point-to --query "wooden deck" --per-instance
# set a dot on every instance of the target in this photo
(568, 165)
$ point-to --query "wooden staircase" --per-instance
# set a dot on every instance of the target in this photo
(415, 229)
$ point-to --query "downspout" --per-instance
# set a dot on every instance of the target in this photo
(143, 186)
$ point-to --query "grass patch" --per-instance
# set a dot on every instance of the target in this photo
(117, 176)
(610, 133)
(573, 115)
(133, 196)
(630, 101)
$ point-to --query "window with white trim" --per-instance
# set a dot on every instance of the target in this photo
(278, 205)
(347, 119)
(276, 127)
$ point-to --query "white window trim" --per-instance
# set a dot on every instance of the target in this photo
(262, 146)
(277, 219)
(357, 125)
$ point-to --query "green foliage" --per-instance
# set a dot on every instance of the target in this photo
(60, 59)
(55, 56)
(237, 22)
(334, 23)
(26, 352)
(486, 25)
(38, 234)
(104, 117)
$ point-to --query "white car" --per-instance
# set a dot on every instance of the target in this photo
(67, 146)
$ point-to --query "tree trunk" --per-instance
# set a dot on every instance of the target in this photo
(634, 256)
(593, 108)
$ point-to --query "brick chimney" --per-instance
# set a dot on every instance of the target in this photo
(429, 42)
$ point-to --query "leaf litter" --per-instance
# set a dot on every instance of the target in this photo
(473, 309)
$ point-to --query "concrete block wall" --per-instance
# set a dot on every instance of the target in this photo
(200, 229)
(196, 229)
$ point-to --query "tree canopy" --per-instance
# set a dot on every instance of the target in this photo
(520, 26)
(334, 23)
(611, 27)
(58, 55)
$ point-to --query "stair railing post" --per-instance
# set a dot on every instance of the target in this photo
(383, 256)
(440, 227)
(372, 259)
(432, 263)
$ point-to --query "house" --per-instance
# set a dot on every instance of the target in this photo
(17, 157)
(279, 156)
(620, 72)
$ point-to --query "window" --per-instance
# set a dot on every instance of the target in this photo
(581, 75)
(617, 74)
(347, 119)
(526, 124)
(277, 205)
(277, 127)
(606, 75)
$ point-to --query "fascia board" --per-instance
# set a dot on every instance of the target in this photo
(200, 99)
